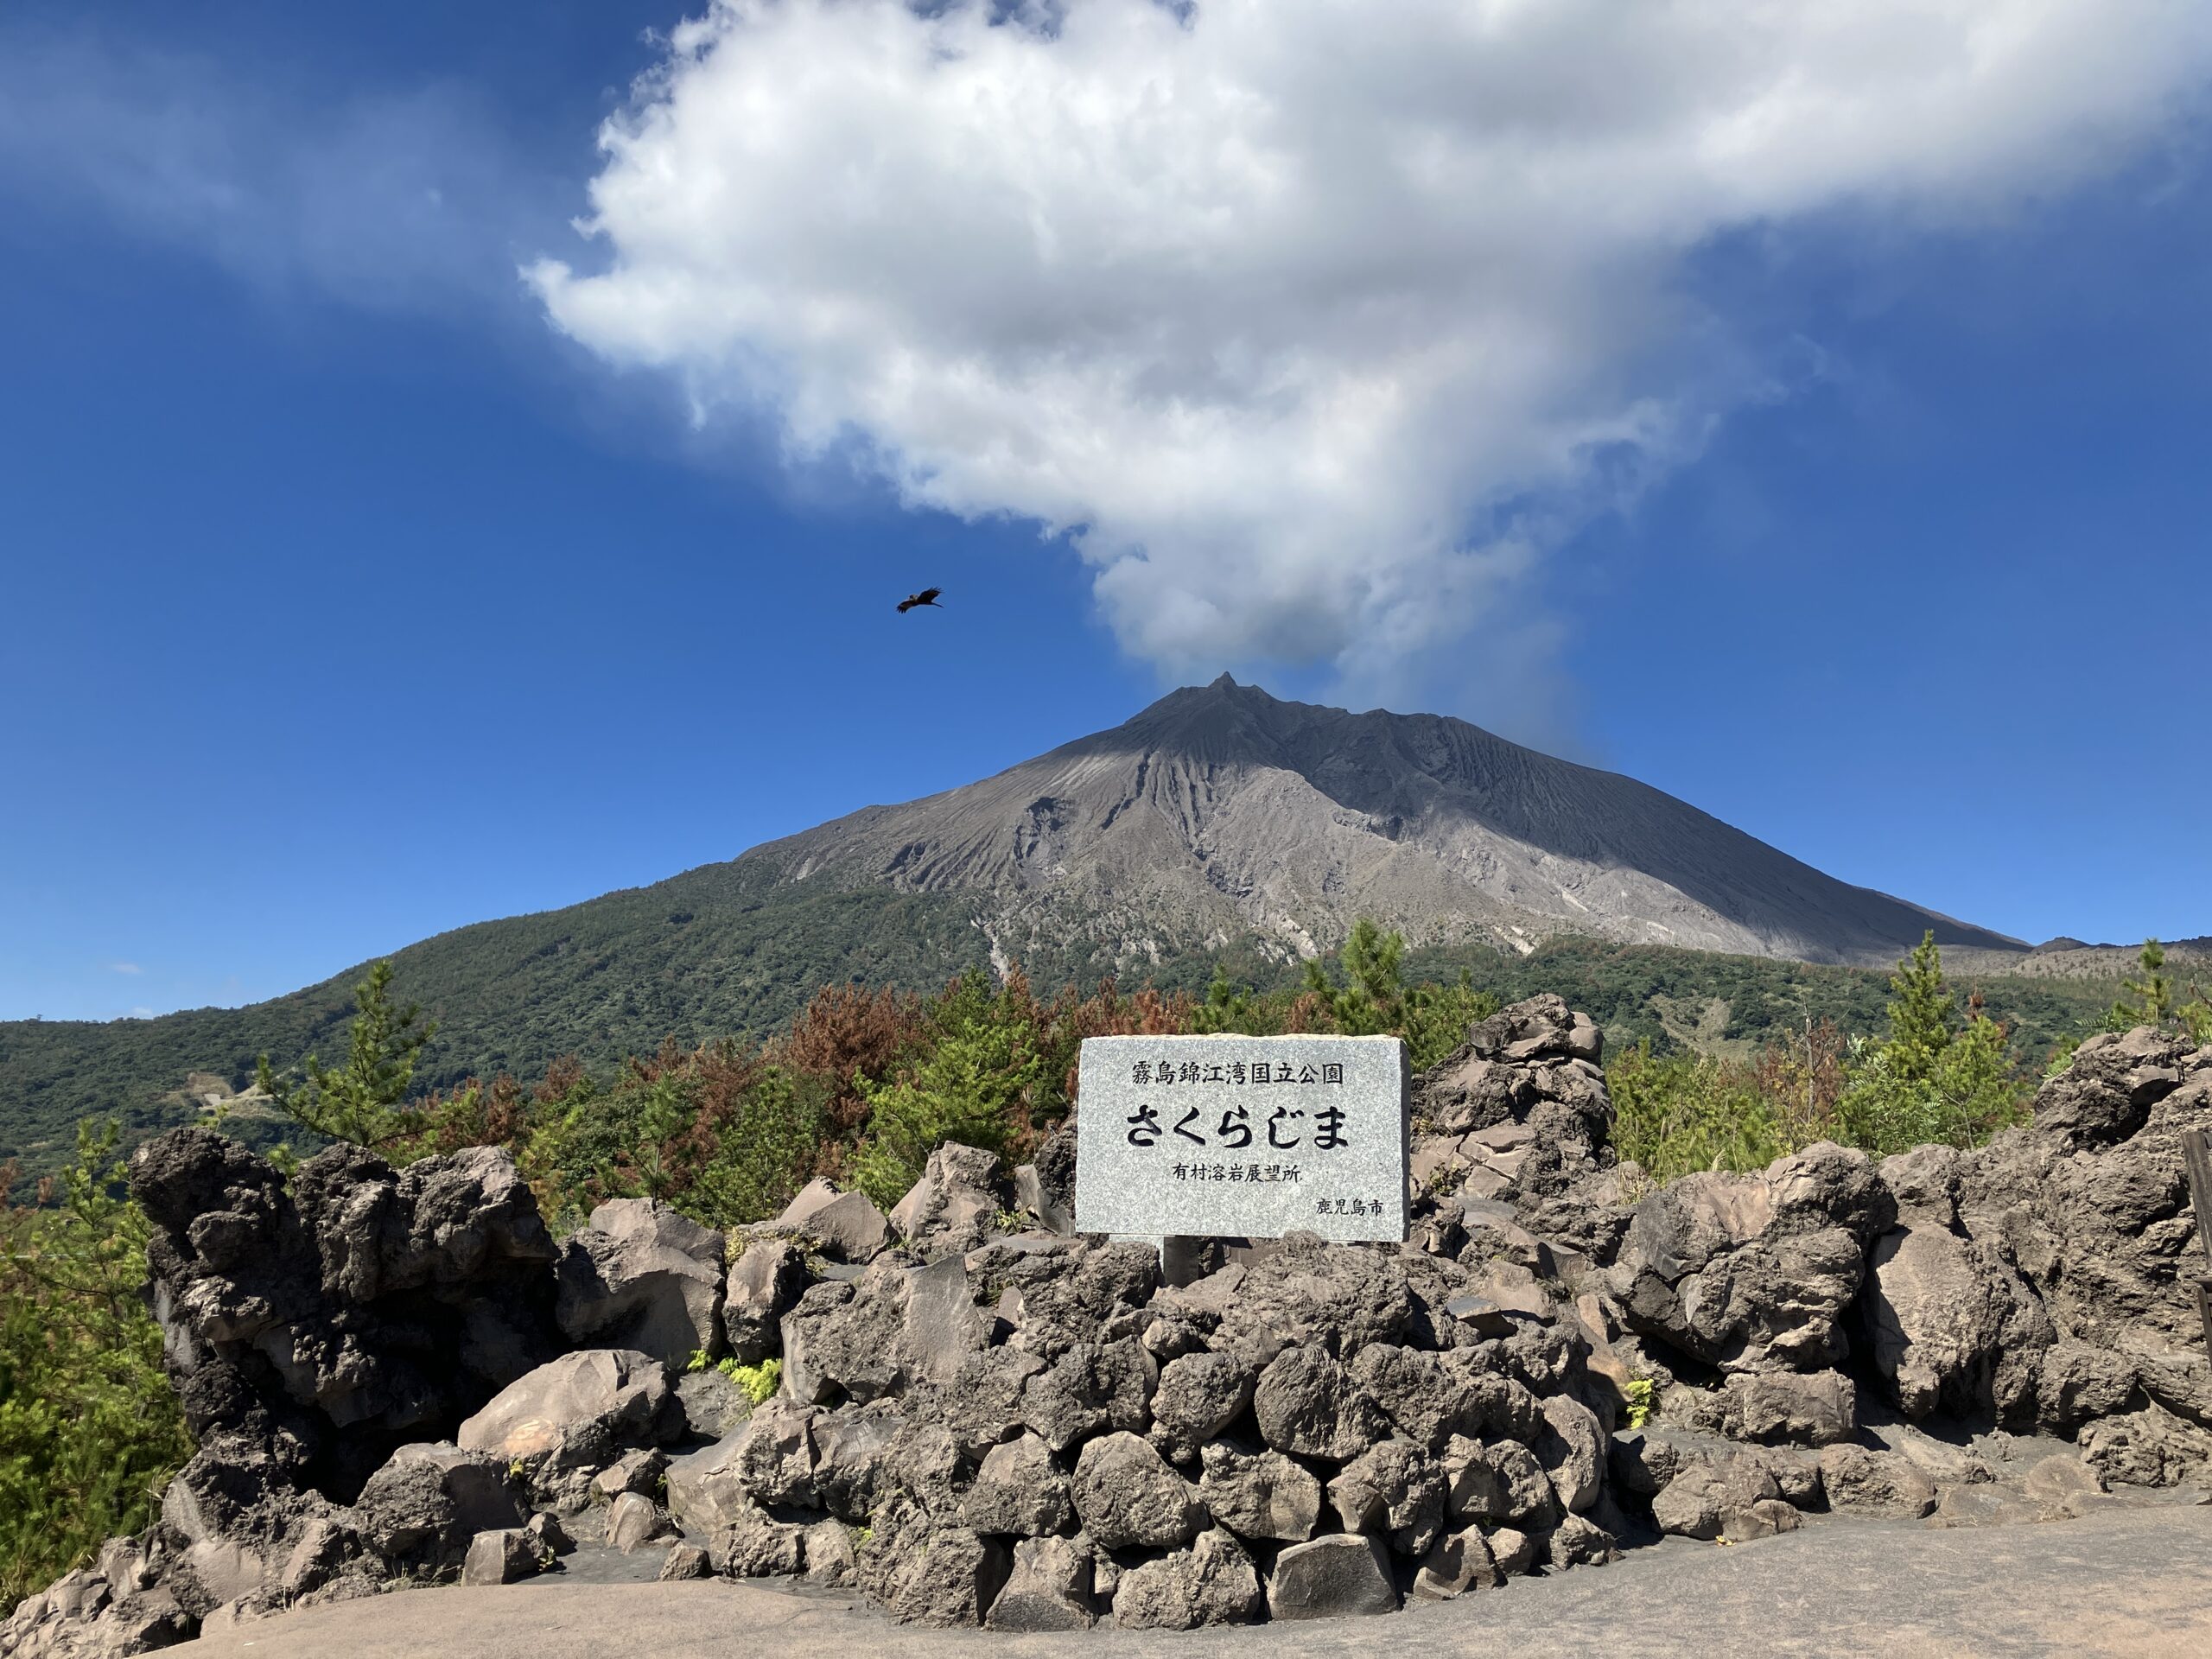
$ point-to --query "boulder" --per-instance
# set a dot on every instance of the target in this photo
(1048, 1588)
(773, 1457)
(1428, 1396)
(1763, 1518)
(713, 1402)
(1066, 1293)
(481, 1489)
(751, 1544)
(855, 1451)
(983, 1405)
(1815, 1409)
(1456, 1563)
(638, 1276)
(634, 1520)
(1212, 1582)
(955, 1207)
(1577, 1540)
(1019, 1490)
(1705, 1493)
(1573, 1450)
(846, 1225)
(1094, 1388)
(765, 1283)
(1307, 1404)
(889, 1329)
(1340, 1574)
(1495, 1484)
(325, 1549)
(578, 1408)
(1128, 1497)
(685, 1561)
(1308, 1294)
(832, 1554)
(1391, 1488)
(2150, 1448)
(1260, 1495)
(1031, 1198)
(935, 1575)
(422, 1508)
(1199, 1395)
(1879, 1482)
(633, 1471)
(499, 1557)
(1753, 1272)
(1513, 1551)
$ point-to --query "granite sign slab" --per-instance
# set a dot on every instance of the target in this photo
(1248, 1137)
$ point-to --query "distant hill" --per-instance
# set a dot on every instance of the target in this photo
(1219, 827)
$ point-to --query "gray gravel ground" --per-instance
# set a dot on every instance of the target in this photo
(2122, 1581)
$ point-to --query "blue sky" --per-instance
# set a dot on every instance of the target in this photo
(352, 588)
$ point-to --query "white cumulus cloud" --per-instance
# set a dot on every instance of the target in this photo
(1315, 321)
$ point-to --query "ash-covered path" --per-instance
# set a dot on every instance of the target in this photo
(2136, 1581)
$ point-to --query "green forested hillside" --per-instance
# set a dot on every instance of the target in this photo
(717, 951)
(695, 956)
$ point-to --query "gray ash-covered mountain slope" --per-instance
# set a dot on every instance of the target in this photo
(1222, 811)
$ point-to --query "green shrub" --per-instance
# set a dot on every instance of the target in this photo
(972, 1086)
(1639, 1402)
(1374, 999)
(1688, 1112)
(763, 1153)
(1940, 1077)
(759, 1382)
(89, 1432)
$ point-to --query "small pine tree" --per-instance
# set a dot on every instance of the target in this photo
(1939, 1079)
(972, 1087)
(362, 1100)
(1923, 1014)
(1432, 1019)
(1228, 1008)
(1369, 1005)
(2148, 1000)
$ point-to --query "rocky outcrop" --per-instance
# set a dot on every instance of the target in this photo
(2046, 1280)
(1093, 1445)
(1755, 1272)
(1518, 1114)
(365, 1308)
(844, 1224)
(1038, 1431)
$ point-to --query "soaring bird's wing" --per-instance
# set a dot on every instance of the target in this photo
(908, 604)
(928, 595)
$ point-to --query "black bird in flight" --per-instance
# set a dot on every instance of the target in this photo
(927, 596)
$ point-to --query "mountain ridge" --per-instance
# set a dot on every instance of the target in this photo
(1292, 818)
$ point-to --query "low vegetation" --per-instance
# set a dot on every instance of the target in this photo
(89, 1432)
(723, 952)
(1941, 1074)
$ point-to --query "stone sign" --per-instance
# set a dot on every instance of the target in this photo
(1241, 1137)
